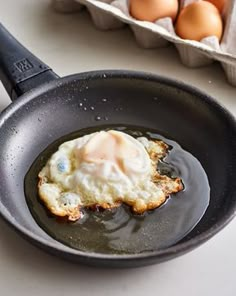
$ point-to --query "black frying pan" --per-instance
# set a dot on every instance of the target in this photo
(46, 108)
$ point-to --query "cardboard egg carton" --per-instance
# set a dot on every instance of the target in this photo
(114, 14)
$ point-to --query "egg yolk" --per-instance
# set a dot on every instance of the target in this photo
(108, 146)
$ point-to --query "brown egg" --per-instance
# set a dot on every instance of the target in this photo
(199, 20)
(220, 4)
(152, 10)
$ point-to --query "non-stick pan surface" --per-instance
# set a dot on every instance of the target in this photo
(53, 109)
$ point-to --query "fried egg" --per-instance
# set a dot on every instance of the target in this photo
(105, 169)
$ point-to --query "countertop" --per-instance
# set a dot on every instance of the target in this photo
(70, 44)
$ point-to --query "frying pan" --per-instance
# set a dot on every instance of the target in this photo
(45, 107)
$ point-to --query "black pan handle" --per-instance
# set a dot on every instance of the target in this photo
(20, 70)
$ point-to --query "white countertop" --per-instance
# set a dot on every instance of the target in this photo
(70, 44)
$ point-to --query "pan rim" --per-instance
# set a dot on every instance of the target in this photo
(172, 251)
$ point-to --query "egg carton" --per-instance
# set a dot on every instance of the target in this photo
(114, 14)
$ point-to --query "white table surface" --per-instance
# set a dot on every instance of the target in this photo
(70, 44)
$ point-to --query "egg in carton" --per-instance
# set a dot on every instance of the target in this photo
(112, 14)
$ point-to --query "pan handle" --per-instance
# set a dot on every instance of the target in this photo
(20, 70)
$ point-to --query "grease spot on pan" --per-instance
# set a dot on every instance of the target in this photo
(118, 231)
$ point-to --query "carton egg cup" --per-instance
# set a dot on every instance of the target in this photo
(114, 14)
